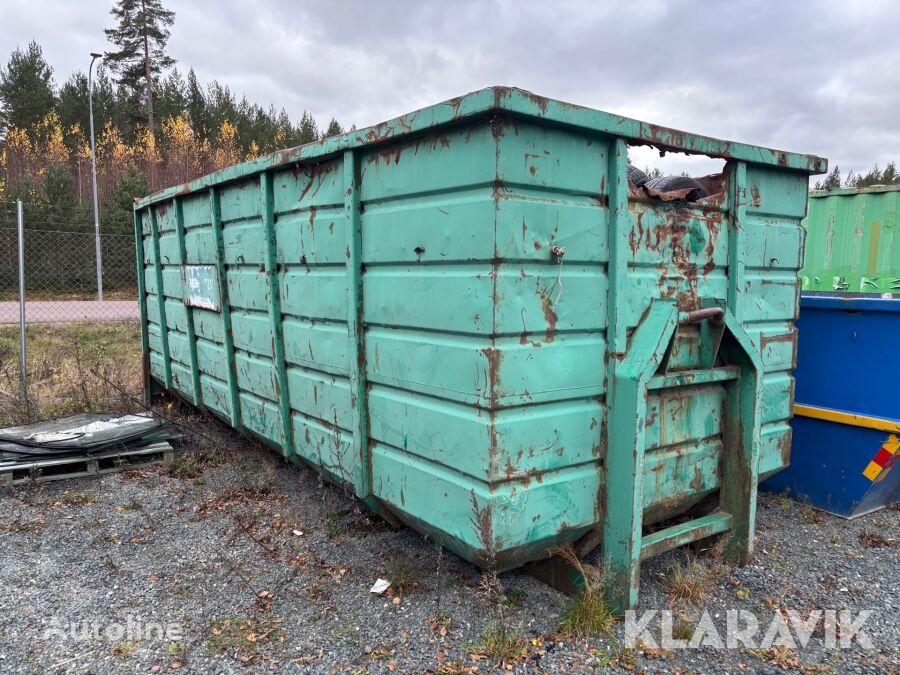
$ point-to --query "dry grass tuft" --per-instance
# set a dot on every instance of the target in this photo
(401, 572)
(243, 635)
(75, 498)
(73, 367)
(125, 649)
(588, 613)
(501, 642)
(689, 579)
(19, 525)
(870, 539)
(812, 515)
(456, 668)
(185, 465)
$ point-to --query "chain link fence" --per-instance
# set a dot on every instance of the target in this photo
(80, 353)
(61, 266)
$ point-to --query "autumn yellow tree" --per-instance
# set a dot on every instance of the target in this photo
(181, 154)
(113, 158)
(176, 155)
(80, 161)
(146, 155)
(225, 153)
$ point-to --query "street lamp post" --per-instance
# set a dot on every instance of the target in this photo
(94, 57)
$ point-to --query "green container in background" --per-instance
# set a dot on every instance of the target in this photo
(853, 240)
(470, 318)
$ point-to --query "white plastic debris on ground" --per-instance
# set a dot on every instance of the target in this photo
(380, 586)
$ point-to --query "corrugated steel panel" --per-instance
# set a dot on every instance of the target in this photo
(469, 317)
(853, 243)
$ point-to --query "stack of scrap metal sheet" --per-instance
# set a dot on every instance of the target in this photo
(83, 444)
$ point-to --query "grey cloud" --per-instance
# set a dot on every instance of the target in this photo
(809, 76)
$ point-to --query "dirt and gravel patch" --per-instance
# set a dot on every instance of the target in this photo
(257, 565)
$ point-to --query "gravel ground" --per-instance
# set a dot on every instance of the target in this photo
(255, 565)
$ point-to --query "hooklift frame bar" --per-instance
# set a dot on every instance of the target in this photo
(621, 536)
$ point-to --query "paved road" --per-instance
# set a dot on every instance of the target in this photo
(69, 311)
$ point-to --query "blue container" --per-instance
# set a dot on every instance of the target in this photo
(846, 423)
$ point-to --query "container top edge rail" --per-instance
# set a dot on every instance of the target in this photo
(513, 101)
(871, 189)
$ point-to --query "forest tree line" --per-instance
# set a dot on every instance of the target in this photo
(875, 176)
(148, 136)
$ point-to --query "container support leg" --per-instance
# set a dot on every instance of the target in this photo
(624, 490)
(234, 401)
(356, 331)
(267, 207)
(142, 304)
(191, 333)
(741, 434)
(161, 298)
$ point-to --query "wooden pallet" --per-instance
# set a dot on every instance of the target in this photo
(109, 461)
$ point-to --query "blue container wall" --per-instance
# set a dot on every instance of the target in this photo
(848, 357)
(847, 363)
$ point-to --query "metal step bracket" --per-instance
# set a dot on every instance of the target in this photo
(643, 368)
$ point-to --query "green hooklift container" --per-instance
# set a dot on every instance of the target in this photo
(853, 240)
(470, 317)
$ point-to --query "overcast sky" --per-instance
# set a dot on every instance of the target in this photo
(816, 77)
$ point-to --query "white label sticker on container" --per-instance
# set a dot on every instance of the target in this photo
(201, 286)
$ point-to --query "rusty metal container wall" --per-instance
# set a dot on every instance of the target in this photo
(463, 312)
(852, 243)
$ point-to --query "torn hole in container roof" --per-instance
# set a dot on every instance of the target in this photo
(674, 176)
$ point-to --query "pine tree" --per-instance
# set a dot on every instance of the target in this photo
(26, 88)
(45, 153)
(72, 104)
(62, 209)
(171, 101)
(334, 128)
(832, 180)
(196, 104)
(117, 207)
(141, 33)
(220, 108)
(307, 130)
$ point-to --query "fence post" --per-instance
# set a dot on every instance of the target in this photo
(99, 260)
(99, 254)
(23, 374)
